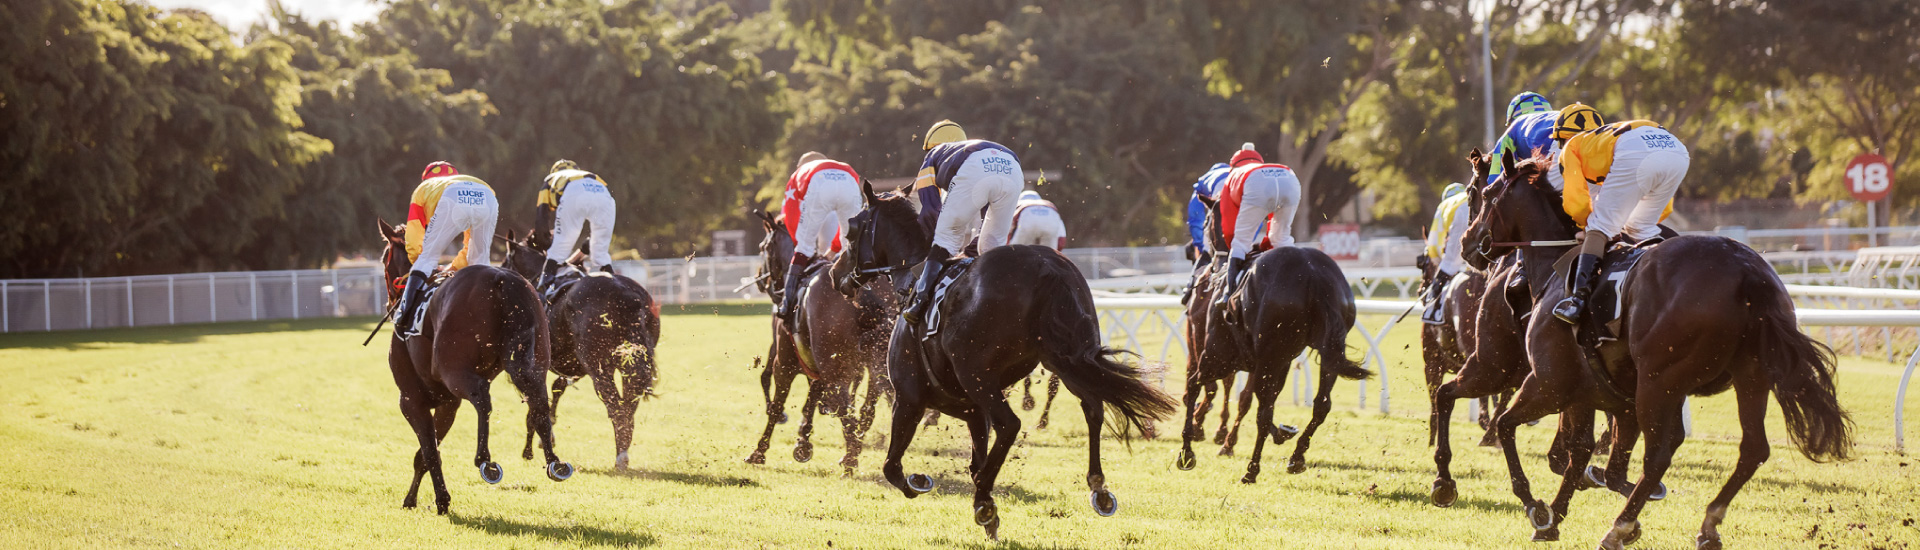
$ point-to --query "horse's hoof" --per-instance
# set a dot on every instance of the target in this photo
(559, 471)
(526, 454)
(409, 504)
(1026, 403)
(985, 513)
(491, 473)
(1704, 542)
(1539, 516)
(803, 452)
(1226, 450)
(620, 462)
(1250, 478)
(1632, 536)
(782, 419)
(1444, 493)
(1592, 479)
(1042, 424)
(920, 484)
(757, 458)
(1659, 492)
(992, 528)
(1185, 462)
(1105, 504)
(442, 509)
(1284, 433)
(1490, 440)
(1219, 438)
(1549, 534)
(1296, 465)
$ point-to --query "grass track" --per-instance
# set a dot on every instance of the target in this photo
(286, 435)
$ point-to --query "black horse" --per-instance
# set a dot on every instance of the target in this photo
(1699, 315)
(602, 326)
(1018, 306)
(482, 321)
(1295, 298)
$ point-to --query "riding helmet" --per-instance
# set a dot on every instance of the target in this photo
(810, 157)
(1526, 103)
(439, 168)
(945, 131)
(1246, 154)
(563, 164)
(1574, 119)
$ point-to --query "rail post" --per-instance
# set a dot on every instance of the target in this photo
(1900, 403)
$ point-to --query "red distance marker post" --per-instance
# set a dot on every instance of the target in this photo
(1341, 241)
(1869, 179)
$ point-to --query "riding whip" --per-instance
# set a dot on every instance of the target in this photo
(383, 322)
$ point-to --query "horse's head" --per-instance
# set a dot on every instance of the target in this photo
(885, 238)
(394, 259)
(776, 252)
(1216, 240)
(522, 256)
(1519, 206)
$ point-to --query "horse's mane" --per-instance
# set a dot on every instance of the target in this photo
(1534, 168)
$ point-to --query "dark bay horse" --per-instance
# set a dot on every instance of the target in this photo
(1294, 299)
(837, 342)
(1698, 315)
(1220, 391)
(1017, 307)
(602, 326)
(483, 320)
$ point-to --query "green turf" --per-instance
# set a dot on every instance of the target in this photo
(287, 435)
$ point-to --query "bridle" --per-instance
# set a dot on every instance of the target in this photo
(866, 268)
(1485, 245)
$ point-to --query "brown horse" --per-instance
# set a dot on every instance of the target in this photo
(603, 326)
(481, 321)
(1220, 390)
(1017, 307)
(1698, 315)
(1294, 299)
(836, 342)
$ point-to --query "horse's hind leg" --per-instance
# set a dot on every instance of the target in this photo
(1104, 503)
(529, 380)
(1322, 404)
(1026, 394)
(1267, 395)
(1573, 447)
(427, 458)
(559, 387)
(1053, 390)
(619, 410)
(1751, 394)
(474, 390)
(782, 384)
(1246, 400)
(1659, 414)
(803, 450)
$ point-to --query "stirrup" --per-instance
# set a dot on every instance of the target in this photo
(1570, 310)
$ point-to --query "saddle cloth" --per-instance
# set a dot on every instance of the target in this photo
(953, 272)
(419, 313)
(807, 276)
(1607, 303)
(1437, 313)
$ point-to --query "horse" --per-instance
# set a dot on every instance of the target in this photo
(1198, 304)
(1294, 299)
(603, 326)
(1018, 306)
(483, 320)
(837, 341)
(1698, 315)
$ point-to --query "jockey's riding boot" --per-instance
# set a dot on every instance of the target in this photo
(548, 271)
(1586, 272)
(1436, 290)
(409, 299)
(791, 290)
(923, 289)
(1194, 279)
(608, 269)
(1235, 268)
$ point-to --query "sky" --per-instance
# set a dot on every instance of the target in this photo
(238, 14)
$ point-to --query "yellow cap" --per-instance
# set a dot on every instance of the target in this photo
(945, 131)
(563, 164)
(1574, 119)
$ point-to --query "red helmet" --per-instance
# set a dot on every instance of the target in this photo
(438, 169)
(1244, 155)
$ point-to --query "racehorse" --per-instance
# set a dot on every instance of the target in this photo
(1698, 315)
(1295, 298)
(837, 342)
(1201, 300)
(481, 321)
(602, 326)
(1018, 306)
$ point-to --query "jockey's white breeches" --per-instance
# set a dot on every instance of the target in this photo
(1648, 164)
(586, 202)
(1040, 225)
(466, 210)
(1450, 260)
(989, 179)
(832, 198)
(1271, 191)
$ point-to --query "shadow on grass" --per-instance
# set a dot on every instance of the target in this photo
(753, 308)
(585, 535)
(704, 480)
(1003, 544)
(175, 334)
(1483, 504)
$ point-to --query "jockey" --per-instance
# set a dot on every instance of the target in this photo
(976, 175)
(1443, 245)
(1254, 192)
(570, 197)
(1208, 186)
(1620, 181)
(1530, 123)
(445, 205)
(821, 195)
(1036, 221)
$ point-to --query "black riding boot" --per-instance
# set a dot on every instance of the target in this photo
(1435, 292)
(1235, 267)
(1192, 280)
(1586, 273)
(923, 289)
(548, 271)
(791, 289)
(409, 298)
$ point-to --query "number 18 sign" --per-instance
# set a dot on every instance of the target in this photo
(1869, 178)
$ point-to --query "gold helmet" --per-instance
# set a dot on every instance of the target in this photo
(563, 164)
(945, 131)
(1574, 119)
(809, 157)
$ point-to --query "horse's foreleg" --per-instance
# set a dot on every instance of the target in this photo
(1186, 461)
(1053, 390)
(1265, 418)
(907, 411)
(1575, 446)
(1246, 400)
(803, 450)
(1659, 416)
(1006, 429)
(1624, 433)
(427, 458)
(559, 387)
(978, 431)
(619, 412)
(1439, 425)
(776, 411)
(1531, 403)
(1752, 398)
(1026, 394)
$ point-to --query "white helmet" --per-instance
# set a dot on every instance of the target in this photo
(1029, 195)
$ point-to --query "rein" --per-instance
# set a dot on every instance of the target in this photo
(1506, 244)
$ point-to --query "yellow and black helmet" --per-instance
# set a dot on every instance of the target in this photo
(945, 131)
(563, 164)
(1574, 119)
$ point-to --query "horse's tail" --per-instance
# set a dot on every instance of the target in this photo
(1800, 368)
(522, 323)
(1069, 335)
(1333, 300)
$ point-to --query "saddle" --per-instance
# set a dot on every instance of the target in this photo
(807, 276)
(1598, 331)
(1437, 313)
(419, 312)
(954, 270)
